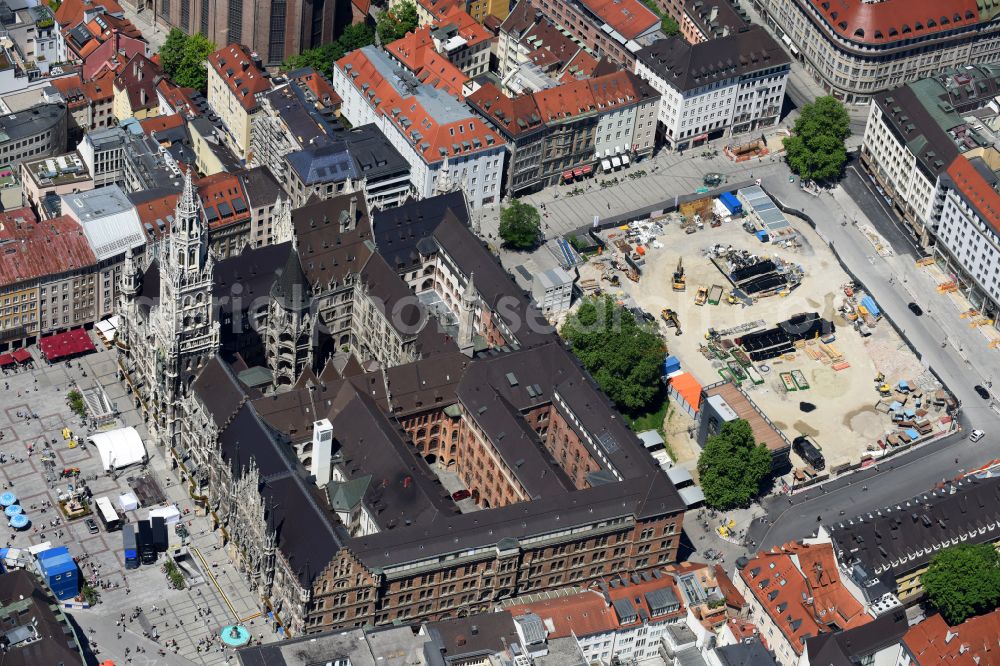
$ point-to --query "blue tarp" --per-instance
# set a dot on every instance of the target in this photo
(910, 413)
(913, 434)
(896, 404)
(871, 306)
(903, 386)
(762, 236)
(731, 203)
(671, 365)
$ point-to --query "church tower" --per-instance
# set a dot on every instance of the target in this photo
(467, 319)
(185, 329)
(289, 340)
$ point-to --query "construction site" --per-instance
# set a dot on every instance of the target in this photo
(776, 316)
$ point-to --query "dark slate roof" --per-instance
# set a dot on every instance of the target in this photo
(327, 163)
(394, 298)
(219, 391)
(261, 186)
(882, 541)
(23, 602)
(329, 255)
(254, 270)
(686, 66)
(397, 231)
(291, 290)
(473, 636)
(749, 652)
(495, 286)
(374, 157)
(848, 648)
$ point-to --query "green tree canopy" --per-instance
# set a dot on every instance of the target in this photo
(321, 58)
(733, 466)
(963, 581)
(396, 22)
(623, 355)
(816, 151)
(668, 24)
(183, 59)
(520, 225)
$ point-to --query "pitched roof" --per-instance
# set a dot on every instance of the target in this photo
(328, 254)
(291, 290)
(974, 188)
(896, 20)
(30, 249)
(630, 18)
(799, 587)
(224, 199)
(685, 66)
(972, 643)
(415, 51)
(71, 12)
(241, 74)
(138, 81)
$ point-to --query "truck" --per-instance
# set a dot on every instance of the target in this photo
(129, 547)
(147, 551)
(806, 449)
(160, 538)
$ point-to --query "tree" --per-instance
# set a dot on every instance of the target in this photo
(733, 466)
(321, 58)
(622, 355)
(183, 59)
(396, 22)
(816, 151)
(963, 581)
(520, 225)
(668, 24)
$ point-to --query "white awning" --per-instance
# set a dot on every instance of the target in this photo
(119, 448)
(786, 40)
(616, 161)
(128, 502)
(625, 159)
(606, 165)
(170, 514)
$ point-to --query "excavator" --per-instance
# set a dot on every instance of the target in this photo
(669, 316)
(680, 282)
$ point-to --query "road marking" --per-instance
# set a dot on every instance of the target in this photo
(211, 577)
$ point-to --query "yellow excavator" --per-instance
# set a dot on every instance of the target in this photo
(680, 282)
(670, 317)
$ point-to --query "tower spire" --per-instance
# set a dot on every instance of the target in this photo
(187, 203)
(466, 318)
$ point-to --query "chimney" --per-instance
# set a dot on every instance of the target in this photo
(713, 14)
(354, 211)
(322, 451)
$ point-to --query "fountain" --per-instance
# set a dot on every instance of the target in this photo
(235, 635)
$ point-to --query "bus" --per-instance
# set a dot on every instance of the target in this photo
(106, 512)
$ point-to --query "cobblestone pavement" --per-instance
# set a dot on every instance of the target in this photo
(186, 616)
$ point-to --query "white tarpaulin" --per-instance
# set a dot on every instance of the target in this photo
(170, 514)
(119, 448)
(128, 502)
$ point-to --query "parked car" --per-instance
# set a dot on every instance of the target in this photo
(915, 309)
(460, 495)
(981, 390)
(976, 435)
(92, 526)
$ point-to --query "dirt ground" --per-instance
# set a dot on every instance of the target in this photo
(845, 420)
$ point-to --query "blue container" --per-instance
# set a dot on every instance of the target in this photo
(671, 365)
(731, 203)
(59, 570)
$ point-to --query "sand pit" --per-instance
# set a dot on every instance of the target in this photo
(866, 423)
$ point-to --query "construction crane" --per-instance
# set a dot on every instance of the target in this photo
(680, 282)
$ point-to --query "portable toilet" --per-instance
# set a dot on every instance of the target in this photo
(60, 572)
(671, 365)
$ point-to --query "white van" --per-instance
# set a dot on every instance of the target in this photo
(976, 435)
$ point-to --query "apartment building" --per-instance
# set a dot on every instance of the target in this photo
(48, 178)
(36, 132)
(795, 593)
(445, 143)
(615, 29)
(135, 90)
(915, 132)
(730, 85)
(573, 129)
(90, 103)
(463, 41)
(236, 82)
(705, 20)
(534, 54)
(856, 48)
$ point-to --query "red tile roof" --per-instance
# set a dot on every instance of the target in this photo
(138, 79)
(113, 51)
(895, 20)
(415, 51)
(157, 209)
(438, 8)
(784, 580)
(321, 87)
(224, 199)
(429, 137)
(630, 18)
(71, 12)
(975, 188)
(30, 249)
(244, 78)
(974, 642)
(160, 123)
(468, 28)
(182, 100)
(566, 101)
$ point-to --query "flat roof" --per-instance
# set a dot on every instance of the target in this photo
(745, 409)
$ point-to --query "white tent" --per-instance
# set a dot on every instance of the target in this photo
(170, 514)
(128, 502)
(119, 448)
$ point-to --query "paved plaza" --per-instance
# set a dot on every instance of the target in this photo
(187, 621)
